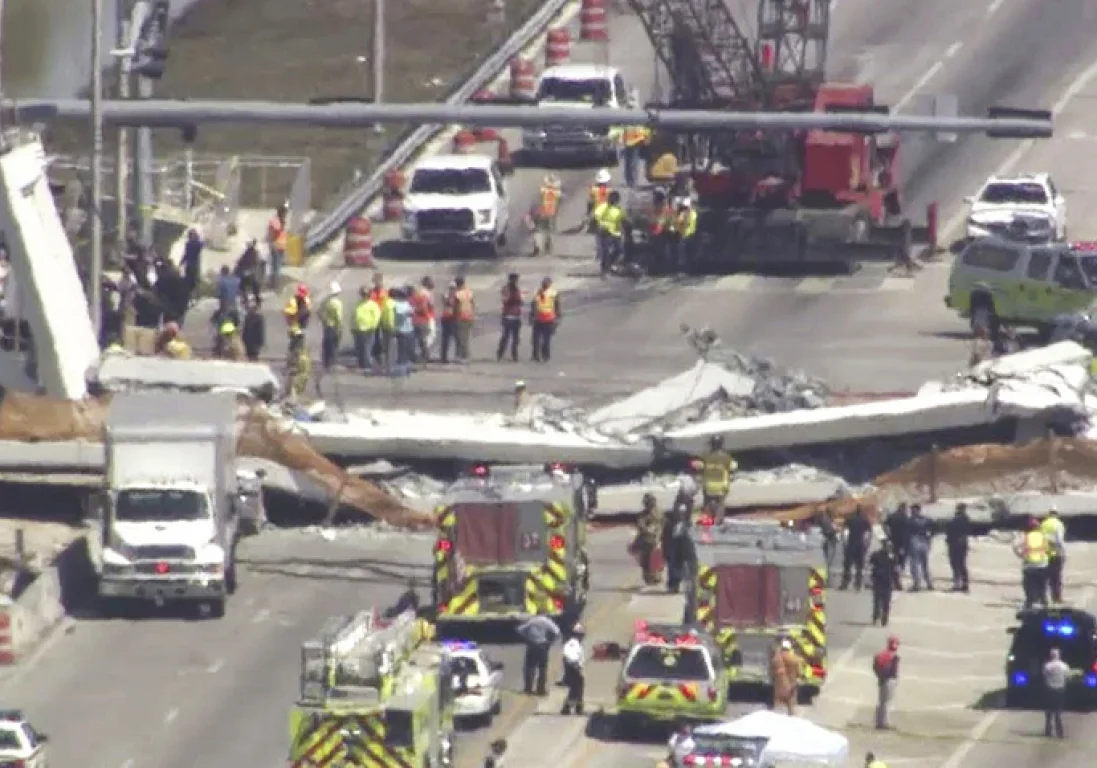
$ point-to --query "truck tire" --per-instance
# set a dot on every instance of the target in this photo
(217, 607)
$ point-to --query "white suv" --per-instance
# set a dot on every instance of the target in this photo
(577, 86)
(20, 743)
(456, 199)
(1005, 202)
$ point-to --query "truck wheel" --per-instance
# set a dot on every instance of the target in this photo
(217, 607)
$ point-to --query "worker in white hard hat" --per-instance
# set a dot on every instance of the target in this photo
(542, 217)
(575, 659)
(599, 193)
(331, 319)
(684, 233)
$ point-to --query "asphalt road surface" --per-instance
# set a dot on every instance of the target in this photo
(869, 332)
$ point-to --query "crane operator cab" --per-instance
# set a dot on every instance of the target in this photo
(1071, 630)
(670, 674)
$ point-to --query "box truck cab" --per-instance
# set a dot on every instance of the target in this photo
(166, 525)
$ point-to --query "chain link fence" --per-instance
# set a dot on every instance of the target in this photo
(191, 189)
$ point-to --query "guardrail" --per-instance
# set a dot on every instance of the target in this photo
(328, 224)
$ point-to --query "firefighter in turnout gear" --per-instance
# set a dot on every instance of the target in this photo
(297, 312)
(645, 546)
(1035, 554)
(544, 213)
(882, 576)
(717, 470)
(785, 673)
(611, 219)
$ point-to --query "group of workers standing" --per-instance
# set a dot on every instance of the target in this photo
(1042, 550)
(671, 225)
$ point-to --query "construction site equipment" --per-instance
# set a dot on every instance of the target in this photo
(511, 544)
(772, 198)
(374, 692)
(757, 582)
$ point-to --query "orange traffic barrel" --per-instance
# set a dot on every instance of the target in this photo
(464, 141)
(523, 78)
(358, 243)
(592, 21)
(392, 196)
(557, 47)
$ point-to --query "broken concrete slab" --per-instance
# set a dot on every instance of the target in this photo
(674, 398)
(120, 371)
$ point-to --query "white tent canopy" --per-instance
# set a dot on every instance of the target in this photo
(788, 739)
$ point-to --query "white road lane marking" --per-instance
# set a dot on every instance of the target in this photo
(994, 6)
(169, 718)
(915, 89)
(1076, 86)
(261, 616)
(128, 763)
(959, 756)
(954, 49)
(216, 666)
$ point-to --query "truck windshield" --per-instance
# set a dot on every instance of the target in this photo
(592, 91)
(450, 181)
(663, 662)
(148, 505)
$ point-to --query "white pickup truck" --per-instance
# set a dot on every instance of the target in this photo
(577, 86)
(456, 200)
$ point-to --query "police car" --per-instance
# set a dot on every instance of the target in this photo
(477, 682)
(1073, 632)
(20, 745)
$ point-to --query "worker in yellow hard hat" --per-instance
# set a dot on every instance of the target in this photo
(1055, 532)
(229, 345)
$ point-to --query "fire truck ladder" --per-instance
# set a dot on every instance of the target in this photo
(711, 61)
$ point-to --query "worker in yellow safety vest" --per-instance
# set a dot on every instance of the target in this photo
(388, 330)
(599, 195)
(171, 343)
(1034, 552)
(544, 314)
(543, 215)
(1055, 533)
(717, 468)
(367, 321)
(635, 139)
(610, 220)
(684, 230)
(229, 344)
(872, 762)
(297, 312)
(331, 321)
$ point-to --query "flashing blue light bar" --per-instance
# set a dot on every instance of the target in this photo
(1061, 629)
(459, 645)
(1091, 680)
(1020, 679)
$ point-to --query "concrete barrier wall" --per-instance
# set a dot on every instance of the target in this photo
(45, 602)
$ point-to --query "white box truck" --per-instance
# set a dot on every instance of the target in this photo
(165, 527)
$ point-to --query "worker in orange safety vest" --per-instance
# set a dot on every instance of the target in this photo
(465, 315)
(1035, 553)
(543, 215)
(544, 314)
(448, 322)
(422, 318)
(684, 232)
(635, 139)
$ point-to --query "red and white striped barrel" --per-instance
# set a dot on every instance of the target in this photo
(557, 47)
(358, 243)
(592, 21)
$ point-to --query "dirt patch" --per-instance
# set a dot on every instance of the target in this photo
(295, 50)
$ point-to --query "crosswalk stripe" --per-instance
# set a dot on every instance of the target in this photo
(815, 285)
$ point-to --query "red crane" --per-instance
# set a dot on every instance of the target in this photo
(803, 196)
